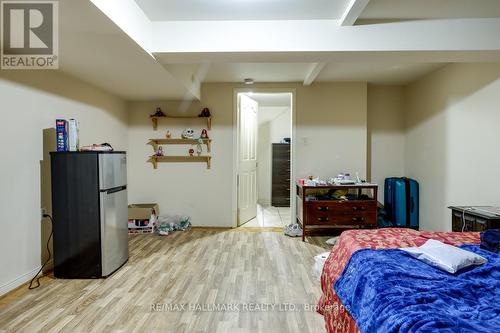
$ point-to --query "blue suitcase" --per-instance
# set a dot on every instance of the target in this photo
(401, 202)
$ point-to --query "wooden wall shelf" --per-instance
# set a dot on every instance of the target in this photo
(155, 120)
(157, 142)
(159, 159)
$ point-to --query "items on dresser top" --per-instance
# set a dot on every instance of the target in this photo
(474, 218)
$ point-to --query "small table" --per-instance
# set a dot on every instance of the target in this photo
(474, 218)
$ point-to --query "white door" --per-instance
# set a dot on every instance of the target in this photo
(247, 161)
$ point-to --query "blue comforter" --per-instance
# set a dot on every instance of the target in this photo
(389, 291)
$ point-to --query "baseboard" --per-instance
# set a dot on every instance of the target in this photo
(19, 281)
(210, 228)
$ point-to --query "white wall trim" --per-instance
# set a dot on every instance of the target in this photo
(237, 91)
(316, 68)
(20, 280)
(352, 12)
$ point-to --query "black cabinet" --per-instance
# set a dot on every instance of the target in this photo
(280, 192)
(475, 218)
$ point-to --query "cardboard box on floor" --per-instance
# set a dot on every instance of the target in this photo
(143, 211)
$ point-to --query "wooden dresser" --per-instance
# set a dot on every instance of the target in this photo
(476, 218)
(316, 209)
(280, 192)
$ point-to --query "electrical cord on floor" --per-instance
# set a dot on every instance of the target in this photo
(37, 277)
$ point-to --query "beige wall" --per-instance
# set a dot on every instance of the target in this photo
(331, 124)
(386, 134)
(451, 139)
(30, 101)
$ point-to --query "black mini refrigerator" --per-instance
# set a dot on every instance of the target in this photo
(89, 208)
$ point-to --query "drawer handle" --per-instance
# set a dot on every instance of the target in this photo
(322, 219)
(358, 219)
(321, 208)
(358, 208)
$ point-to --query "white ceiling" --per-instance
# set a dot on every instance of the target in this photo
(379, 73)
(203, 10)
(260, 72)
(95, 50)
(102, 51)
(431, 9)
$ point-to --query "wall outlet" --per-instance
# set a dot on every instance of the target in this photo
(43, 211)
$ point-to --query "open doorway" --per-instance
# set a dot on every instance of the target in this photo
(264, 155)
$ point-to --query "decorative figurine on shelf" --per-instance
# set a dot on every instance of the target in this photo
(159, 152)
(199, 148)
(205, 112)
(191, 152)
(158, 113)
(204, 134)
(168, 135)
(188, 133)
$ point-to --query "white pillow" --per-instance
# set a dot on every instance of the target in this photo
(445, 257)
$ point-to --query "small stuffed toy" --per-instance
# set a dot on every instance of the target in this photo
(188, 133)
(205, 112)
(204, 134)
(191, 152)
(159, 152)
(168, 135)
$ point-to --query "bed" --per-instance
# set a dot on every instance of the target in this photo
(337, 318)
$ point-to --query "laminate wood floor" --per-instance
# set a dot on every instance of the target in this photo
(173, 284)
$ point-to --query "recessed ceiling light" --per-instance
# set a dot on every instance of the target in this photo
(248, 81)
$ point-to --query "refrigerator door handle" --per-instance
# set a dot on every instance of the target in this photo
(115, 189)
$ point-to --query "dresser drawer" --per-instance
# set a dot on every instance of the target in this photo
(342, 207)
(346, 220)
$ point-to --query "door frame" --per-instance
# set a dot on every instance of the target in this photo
(236, 148)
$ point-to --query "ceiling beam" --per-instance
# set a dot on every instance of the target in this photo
(352, 12)
(314, 72)
(130, 18)
(319, 36)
